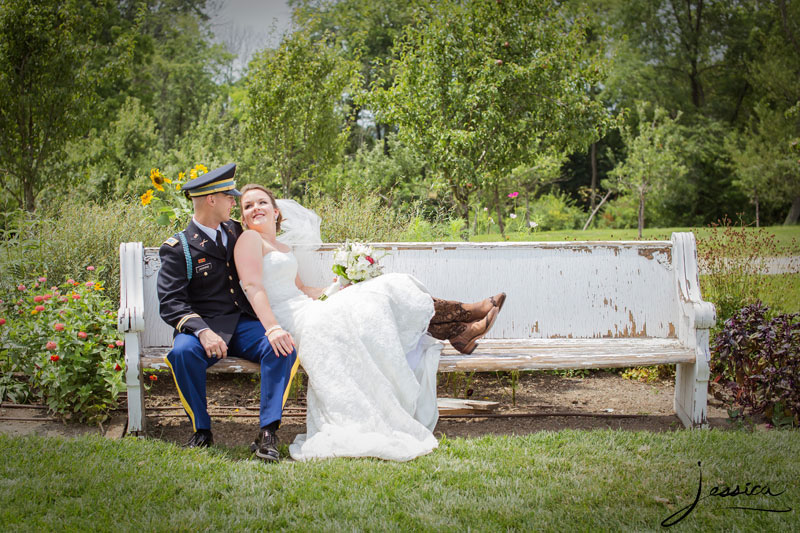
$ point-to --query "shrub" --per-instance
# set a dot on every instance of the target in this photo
(733, 258)
(78, 234)
(758, 359)
(553, 211)
(357, 218)
(60, 345)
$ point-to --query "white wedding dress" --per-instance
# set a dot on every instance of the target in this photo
(371, 367)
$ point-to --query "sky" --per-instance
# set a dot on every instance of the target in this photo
(247, 26)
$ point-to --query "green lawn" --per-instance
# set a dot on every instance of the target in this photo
(787, 237)
(556, 481)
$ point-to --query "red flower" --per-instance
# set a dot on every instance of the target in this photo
(54, 358)
(82, 335)
(120, 344)
(51, 345)
(38, 299)
(370, 260)
(76, 296)
(2, 321)
(153, 377)
(111, 346)
(22, 288)
(90, 268)
(117, 367)
(39, 308)
(58, 326)
(47, 296)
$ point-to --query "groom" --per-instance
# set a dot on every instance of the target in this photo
(200, 296)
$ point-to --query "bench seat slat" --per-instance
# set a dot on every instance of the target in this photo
(510, 354)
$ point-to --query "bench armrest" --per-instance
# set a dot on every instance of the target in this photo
(701, 314)
(130, 316)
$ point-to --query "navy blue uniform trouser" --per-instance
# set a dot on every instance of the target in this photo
(189, 363)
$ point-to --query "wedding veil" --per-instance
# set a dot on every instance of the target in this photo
(300, 226)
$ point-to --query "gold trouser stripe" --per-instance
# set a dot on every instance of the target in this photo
(291, 377)
(183, 400)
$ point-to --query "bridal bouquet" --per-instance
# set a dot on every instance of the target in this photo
(352, 263)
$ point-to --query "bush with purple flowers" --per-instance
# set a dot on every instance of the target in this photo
(758, 359)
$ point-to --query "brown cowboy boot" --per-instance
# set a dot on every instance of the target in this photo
(447, 330)
(467, 340)
(452, 311)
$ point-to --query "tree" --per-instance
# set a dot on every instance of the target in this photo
(652, 161)
(478, 86)
(294, 118)
(46, 87)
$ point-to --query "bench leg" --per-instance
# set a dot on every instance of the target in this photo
(133, 380)
(691, 386)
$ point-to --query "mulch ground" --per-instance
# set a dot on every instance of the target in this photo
(541, 402)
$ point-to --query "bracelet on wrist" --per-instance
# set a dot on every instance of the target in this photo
(276, 327)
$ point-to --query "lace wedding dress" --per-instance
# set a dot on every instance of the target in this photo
(371, 367)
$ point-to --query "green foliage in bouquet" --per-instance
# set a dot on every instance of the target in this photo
(59, 345)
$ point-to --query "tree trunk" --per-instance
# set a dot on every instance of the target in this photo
(596, 209)
(641, 213)
(30, 196)
(593, 158)
(794, 212)
(499, 209)
(755, 200)
(528, 210)
(475, 224)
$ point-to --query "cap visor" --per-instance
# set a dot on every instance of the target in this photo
(233, 192)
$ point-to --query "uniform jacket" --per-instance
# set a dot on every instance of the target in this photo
(213, 298)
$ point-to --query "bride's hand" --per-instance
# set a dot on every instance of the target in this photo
(281, 341)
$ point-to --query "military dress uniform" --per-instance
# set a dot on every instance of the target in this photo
(198, 288)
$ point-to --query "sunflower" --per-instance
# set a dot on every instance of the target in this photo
(148, 196)
(158, 179)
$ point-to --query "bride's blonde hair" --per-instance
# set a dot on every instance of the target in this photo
(257, 187)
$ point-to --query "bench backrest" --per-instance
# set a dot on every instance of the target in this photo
(555, 289)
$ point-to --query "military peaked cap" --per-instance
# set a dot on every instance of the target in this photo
(218, 180)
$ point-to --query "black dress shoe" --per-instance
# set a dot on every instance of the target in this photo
(266, 446)
(202, 438)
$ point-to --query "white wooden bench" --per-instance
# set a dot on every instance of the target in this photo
(570, 305)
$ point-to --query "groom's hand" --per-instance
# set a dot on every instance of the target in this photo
(213, 344)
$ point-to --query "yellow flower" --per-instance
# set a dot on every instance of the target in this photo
(193, 173)
(181, 176)
(177, 186)
(157, 178)
(201, 169)
(99, 287)
(147, 197)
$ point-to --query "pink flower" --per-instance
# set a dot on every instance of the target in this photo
(22, 288)
(76, 296)
(117, 367)
(70, 281)
(63, 299)
(58, 326)
(2, 321)
(513, 194)
(54, 358)
(90, 268)
(82, 335)
(89, 284)
(42, 279)
(38, 299)
(39, 308)
(1, 301)
(120, 344)
(36, 285)
(370, 260)
(50, 345)
(54, 289)
(47, 296)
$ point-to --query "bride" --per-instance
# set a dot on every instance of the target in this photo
(371, 367)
